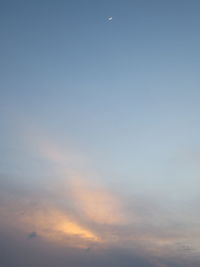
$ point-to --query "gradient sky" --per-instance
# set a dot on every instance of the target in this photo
(100, 133)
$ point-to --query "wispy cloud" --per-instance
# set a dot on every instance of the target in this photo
(74, 209)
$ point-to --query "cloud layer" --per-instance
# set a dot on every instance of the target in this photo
(75, 217)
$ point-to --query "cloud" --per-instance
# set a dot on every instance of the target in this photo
(61, 228)
(32, 235)
(76, 213)
(98, 204)
(91, 198)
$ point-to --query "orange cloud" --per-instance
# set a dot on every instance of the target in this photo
(95, 202)
(98, 204)
(49, 222)
(55, 224)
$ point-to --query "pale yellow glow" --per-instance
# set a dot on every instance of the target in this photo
(74, 229)
(98, 204)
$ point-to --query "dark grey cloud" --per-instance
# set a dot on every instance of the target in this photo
(19, 252)
(32, 235)
(15, 252)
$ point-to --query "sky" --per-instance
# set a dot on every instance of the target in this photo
(99, 133)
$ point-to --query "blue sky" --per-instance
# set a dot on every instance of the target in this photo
(102, 106)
